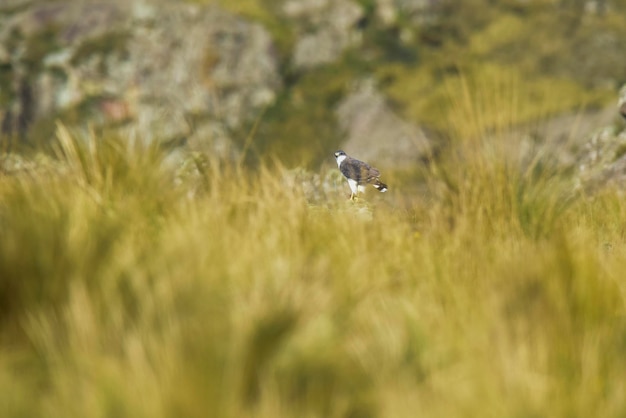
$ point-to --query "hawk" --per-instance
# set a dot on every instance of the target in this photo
(358, 174)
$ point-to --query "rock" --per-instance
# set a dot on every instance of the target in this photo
(326, 29)
(158, 70)
(565, 135)
(602, 160)
(416, 11)
(375, 133)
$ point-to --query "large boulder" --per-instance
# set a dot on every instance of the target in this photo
(374, 132)
(164, 71)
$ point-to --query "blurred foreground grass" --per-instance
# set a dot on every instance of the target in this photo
(128, 288)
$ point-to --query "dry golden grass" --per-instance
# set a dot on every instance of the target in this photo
(128, 288)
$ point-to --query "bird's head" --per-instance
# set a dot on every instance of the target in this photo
(340, 156)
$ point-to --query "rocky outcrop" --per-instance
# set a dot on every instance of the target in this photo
(375, 133)
(601, 161)
(162, 71)
(325, 29)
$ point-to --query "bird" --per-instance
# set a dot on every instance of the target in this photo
(358, 174)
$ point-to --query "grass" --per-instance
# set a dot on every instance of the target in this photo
(132, 287)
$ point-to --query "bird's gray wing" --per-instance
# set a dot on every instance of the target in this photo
(355, 170)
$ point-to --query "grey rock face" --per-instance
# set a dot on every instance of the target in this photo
(150, 68)
(375, 133)
(326, 28)
(602, 159)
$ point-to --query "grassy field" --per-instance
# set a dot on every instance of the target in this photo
(131, 287)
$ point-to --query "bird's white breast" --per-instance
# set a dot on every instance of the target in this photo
(354, 186)
(340, 160)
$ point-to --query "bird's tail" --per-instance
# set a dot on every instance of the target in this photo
(380, 186)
